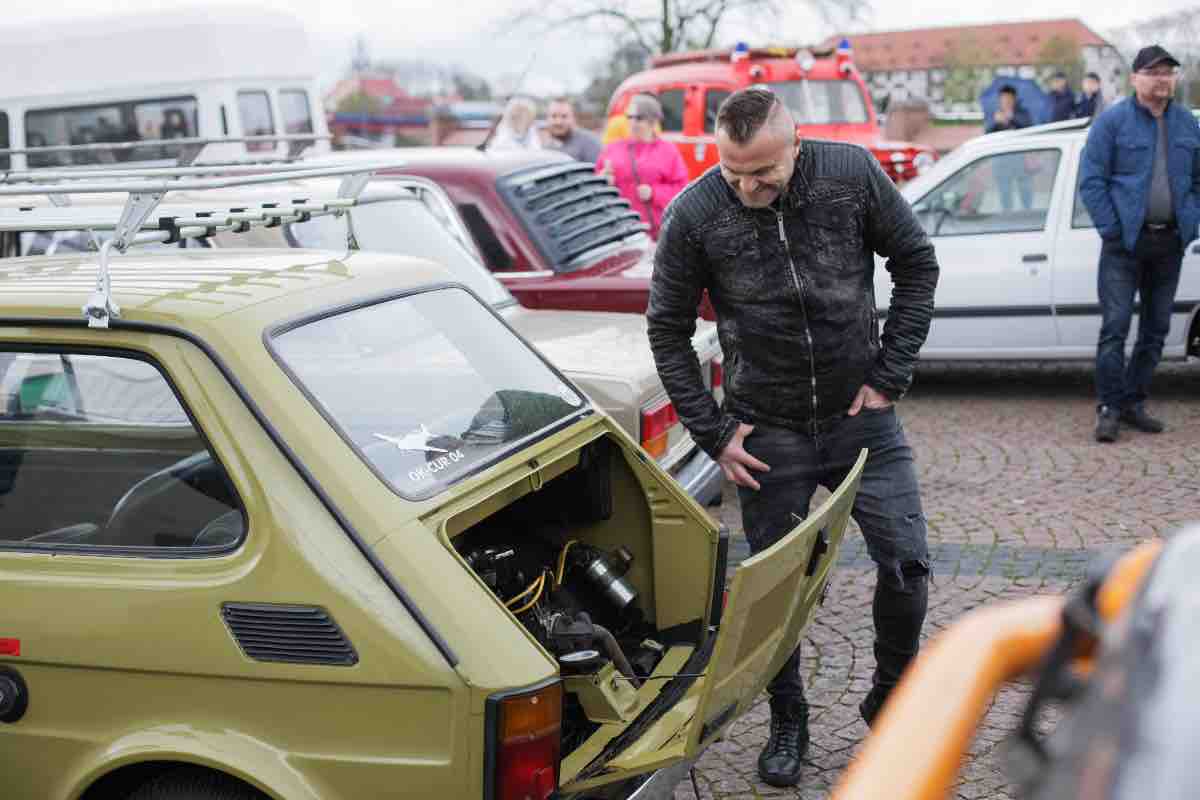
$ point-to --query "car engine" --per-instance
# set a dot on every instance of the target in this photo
(574, 599)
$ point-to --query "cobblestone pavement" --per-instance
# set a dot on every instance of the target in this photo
(1020, 499)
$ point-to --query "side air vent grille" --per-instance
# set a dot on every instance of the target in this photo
(293, 634)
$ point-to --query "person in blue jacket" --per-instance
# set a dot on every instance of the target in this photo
(1140, 179)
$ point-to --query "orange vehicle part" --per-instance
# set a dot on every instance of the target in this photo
(917, 746)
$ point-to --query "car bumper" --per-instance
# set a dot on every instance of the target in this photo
(660, 785)
(702, 478)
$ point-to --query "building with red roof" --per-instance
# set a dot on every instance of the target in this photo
(918, 63)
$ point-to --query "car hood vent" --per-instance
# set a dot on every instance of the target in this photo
(289, 633)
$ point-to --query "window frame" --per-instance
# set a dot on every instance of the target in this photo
(134, 551)
(682, 92)
(271, 334)
(257, 147)
(5, 139)
(1046, 222)
(117, 104)
(308, 108)
(710, 126)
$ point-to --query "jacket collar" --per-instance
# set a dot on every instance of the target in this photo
(1166, 111)
(797, 190)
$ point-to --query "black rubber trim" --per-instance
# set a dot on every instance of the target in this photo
(142, 327)
(1074, 310)
(1093, 309)
(720, 575)
(671, 694)
(514, 447)
(491, 725)
(125, 550)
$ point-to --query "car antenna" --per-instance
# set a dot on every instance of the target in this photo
(482, 146)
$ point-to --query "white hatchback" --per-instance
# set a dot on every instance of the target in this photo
(1019, 253)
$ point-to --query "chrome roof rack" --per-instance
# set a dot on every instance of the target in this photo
(132, 226)
(188, 149)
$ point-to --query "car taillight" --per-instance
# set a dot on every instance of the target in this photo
(527, 740)
(716, 369)
(656, 428)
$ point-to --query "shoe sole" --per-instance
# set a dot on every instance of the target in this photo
(780, 783)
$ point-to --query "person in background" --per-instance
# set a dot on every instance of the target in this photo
(1009, 114)
(565, 135)
(516, 129)
(1140, 180)
(647, 171)
(1060, 100)
(1091, 101)
(1008, 170)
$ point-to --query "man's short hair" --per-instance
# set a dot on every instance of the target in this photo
(744, 113)
(1093, 76)
(568, 101)
(1008, 88)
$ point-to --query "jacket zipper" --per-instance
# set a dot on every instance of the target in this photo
(799, 284)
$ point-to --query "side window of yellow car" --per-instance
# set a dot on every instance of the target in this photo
(98, 454)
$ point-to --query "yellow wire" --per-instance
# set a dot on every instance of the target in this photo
(562, 562)
(541, 584)
(533, 586)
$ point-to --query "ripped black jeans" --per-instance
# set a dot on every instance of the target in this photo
(887, 510)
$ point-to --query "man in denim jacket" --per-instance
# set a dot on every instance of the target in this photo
(1140, 179)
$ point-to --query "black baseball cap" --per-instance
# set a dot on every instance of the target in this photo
(1152, 56)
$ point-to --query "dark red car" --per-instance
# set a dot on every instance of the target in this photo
(555, 233)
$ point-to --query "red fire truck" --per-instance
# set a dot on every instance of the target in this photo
(824, 91)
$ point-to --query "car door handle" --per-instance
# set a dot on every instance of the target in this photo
(1034, 258)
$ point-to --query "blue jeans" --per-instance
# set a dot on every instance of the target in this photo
(887, 509)
(1152, 272)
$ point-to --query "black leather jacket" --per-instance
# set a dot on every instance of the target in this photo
(793, 288)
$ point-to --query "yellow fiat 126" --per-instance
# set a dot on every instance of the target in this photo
(307, 524)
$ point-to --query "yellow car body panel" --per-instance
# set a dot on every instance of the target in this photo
(128, 659)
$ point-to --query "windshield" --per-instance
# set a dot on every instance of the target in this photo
(406, 227)
(822, 102)
(427, 388)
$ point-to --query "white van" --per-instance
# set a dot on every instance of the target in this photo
(199, 72)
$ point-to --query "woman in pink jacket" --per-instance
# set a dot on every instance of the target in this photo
(646, 170)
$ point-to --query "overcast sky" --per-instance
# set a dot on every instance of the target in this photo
(469, 36)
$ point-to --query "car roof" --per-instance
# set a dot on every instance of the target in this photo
(193, 289)
(420, 159)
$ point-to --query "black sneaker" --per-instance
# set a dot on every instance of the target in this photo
(1108, 424)
(1138, 418)
(779, 763)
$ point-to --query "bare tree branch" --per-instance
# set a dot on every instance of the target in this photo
(664, 26)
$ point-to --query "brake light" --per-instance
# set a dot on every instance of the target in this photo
(716, 369)
(527, 730)
(656, 428)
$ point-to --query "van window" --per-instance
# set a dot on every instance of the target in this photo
(159, 118)
(712, 104)
(254, 109)
(293, 105)
(672, 106)
(4, 161)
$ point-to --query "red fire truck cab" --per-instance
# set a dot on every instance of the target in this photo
(824, 91)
